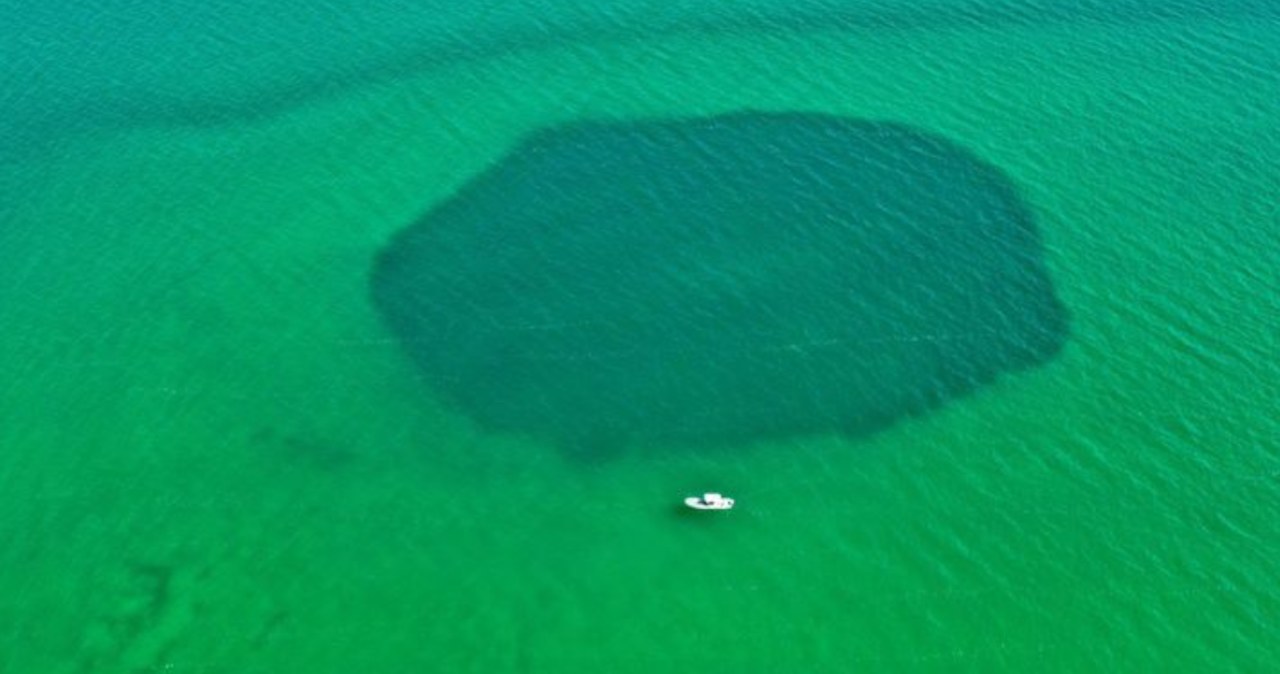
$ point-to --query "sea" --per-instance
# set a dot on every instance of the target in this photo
(389, 337)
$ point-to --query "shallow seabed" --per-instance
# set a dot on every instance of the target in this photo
(217, 458)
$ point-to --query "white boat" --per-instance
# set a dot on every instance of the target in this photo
(709, 501)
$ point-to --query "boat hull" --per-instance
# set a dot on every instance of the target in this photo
(698, 504)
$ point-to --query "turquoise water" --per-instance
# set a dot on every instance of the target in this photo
(217, 455)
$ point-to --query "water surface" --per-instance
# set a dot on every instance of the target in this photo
(218, 455)
(720, 281)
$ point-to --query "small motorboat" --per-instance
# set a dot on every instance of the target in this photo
(709, 501)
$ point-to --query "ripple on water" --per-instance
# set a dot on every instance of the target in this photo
(718, 280)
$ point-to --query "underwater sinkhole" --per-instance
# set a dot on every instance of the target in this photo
(719, 280)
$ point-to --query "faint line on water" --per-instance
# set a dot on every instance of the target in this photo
(773, 348)
(470, 44)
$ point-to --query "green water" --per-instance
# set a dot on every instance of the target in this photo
(720, 280)
(216, 457)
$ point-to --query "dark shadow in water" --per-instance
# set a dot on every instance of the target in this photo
(720, 280)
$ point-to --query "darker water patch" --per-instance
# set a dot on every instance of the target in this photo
(720, 280)
(305, 449)
(438, 46)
